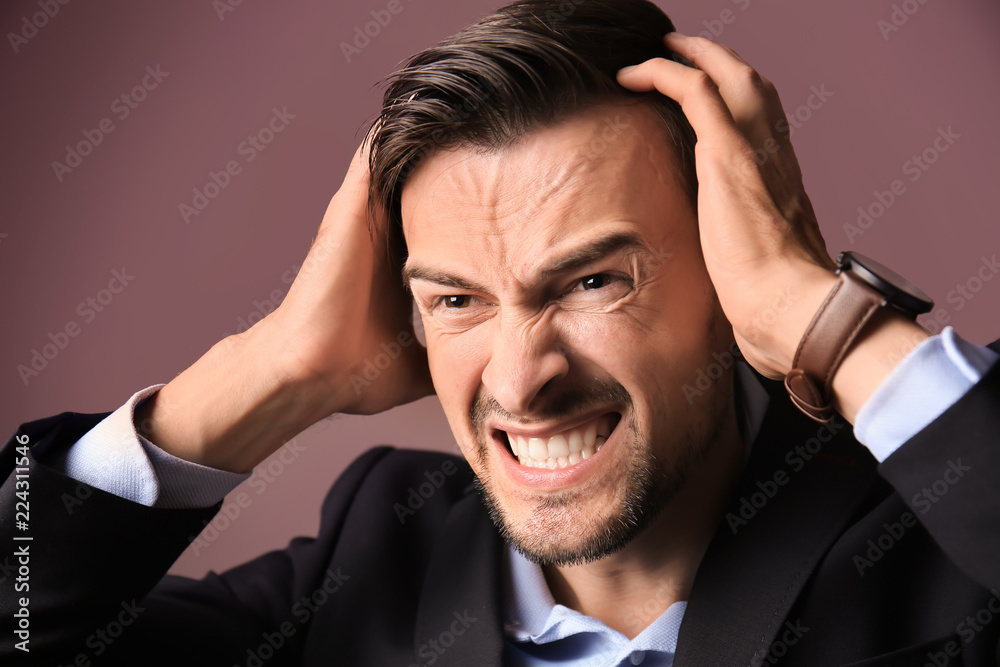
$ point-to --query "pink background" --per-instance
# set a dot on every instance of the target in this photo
(60, 241)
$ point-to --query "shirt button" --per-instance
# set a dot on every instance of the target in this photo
(637, 657)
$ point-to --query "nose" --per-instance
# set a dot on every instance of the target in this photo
(525, 360)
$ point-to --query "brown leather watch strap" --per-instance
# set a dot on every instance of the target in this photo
(839, 320)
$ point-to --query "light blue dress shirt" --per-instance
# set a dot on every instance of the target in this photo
(541, 632)
(932, 377)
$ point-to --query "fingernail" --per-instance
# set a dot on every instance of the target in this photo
(625, 70)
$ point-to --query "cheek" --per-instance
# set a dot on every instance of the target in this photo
(456, 363)
(652, 346)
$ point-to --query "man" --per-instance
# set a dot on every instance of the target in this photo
(582, 270)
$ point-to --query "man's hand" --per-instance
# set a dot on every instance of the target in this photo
(345, 314)
(759, 235)
(348, 311)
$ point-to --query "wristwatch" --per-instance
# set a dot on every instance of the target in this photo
(863, 287)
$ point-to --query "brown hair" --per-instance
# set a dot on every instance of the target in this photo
(531, 64)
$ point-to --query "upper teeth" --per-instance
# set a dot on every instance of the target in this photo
(562, 449)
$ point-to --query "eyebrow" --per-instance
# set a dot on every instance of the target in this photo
(593, 251)
(578, 258)
(416, 272)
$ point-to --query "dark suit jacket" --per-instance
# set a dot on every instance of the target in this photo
(825, 558)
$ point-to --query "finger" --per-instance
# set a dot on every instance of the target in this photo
(343, 247)
(754, 105)
(727, 175)
(691, 47)
(726, 67)
(756, 109)
(724, 160)
(751, 98)
(698, 96)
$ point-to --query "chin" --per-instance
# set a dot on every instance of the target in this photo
(586, 511)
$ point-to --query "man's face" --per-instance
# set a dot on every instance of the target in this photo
(566, 304)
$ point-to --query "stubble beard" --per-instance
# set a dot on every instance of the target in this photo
(557, 535)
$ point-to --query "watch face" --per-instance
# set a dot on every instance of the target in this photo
(897, 290)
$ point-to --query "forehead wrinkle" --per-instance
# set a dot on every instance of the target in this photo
(492, 183)
(465, 189)
(554, 188)
(502, 194)
(541, 206)
(517, 204)
(504, 191)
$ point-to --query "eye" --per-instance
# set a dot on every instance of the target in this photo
(456, 301)
(460, 311)
(596, 281)
(598, 290)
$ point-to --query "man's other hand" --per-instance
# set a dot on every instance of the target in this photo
(759, 235)
(341, 341)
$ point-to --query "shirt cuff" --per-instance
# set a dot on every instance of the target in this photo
(935, 375)
(113, 457)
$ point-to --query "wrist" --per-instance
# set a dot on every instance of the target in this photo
(231, 409)
(854, 338)
(773, 334)
(888, 337)
(813, 288)
(862, 329)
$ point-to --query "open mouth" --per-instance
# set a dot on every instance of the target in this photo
(565, 448)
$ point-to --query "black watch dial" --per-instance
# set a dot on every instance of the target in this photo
(897, 290)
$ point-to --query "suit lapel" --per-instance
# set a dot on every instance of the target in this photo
(773, 535)
(459, 603)
(762, 555)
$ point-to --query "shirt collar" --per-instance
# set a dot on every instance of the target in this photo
(534, 619)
